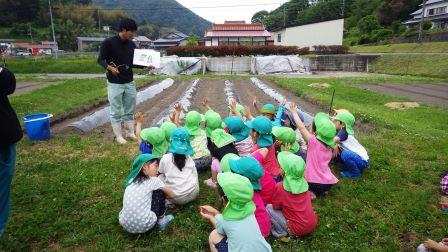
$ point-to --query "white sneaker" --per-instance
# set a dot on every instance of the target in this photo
(210, 183)
(130, 130)
(116, 127)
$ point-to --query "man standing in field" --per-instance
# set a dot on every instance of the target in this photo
(116, 56)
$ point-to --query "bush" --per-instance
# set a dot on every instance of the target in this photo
(382, 35)
(225, 50)
(331, 49)
(351, 41)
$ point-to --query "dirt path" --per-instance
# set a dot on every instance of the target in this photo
(306, 105)
(214, 90)
(26, 87)
(432, 94)
(245, 91)
(151, 109)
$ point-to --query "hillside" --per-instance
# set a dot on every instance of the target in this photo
(167, 13)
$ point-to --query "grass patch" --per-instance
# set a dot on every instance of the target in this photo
(81, 179)
(412, 64)
(426, 47)
(65, 97)
(53, 65)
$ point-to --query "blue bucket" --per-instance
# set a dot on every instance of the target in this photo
(38, 126)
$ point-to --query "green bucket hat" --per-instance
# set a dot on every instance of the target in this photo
(212, 121)
(180, 142)
(268, 109)
(193, 121)
(237, 128)
(239, 193)
(168, 127)
(349, 120)
(250, 168)
(286, 135)
(221, 138)
(263, 126)
(156, 137)
(137, 165)
(225, 166)
(294, 168)
(325, 128)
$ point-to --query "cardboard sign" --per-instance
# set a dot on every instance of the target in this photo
(146, 57)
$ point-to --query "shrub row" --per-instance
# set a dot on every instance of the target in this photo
(331, 49)
(225, 50)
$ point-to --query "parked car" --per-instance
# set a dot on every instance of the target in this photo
(23, 53)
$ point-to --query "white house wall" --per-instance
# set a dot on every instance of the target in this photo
(323, 33)
(434, 6)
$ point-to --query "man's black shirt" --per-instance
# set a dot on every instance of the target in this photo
(119, 53)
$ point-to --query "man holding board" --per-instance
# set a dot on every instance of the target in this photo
(117, 57)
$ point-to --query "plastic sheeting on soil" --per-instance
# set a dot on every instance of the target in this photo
(228, 89)
(280, 64)
(101, 116)
(174, 65)
(185, 101)
(280, 98)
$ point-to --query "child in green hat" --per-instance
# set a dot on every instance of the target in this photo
(177, 168)
(221, 144)
(241, 133)
(236, 229)
(250, 168)
(155, 139)
(261, 132)
(268, 110)
(144, 197)
(291, 211)
(348, 150)
(320, 150)
(198, 138)
(287, 136)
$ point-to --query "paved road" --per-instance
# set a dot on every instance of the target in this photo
(433, 94)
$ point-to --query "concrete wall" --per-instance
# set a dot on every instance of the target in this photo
(345, 63)
(323, 33)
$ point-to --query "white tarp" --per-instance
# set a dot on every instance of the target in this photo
(173, 65)
(280, 64)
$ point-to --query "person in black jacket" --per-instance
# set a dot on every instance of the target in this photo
(10, 134)
(117, 56)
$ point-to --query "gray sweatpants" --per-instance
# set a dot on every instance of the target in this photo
(279, 227)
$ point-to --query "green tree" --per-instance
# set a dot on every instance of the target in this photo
(70, 24)
(192, 40)
(259, 17)
(367, 24)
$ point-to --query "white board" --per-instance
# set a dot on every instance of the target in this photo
(146, 57)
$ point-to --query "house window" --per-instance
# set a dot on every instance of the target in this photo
(440, 10)
(279, 37)
(431, 12)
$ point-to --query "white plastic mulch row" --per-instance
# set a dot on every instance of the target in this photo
(228, 89)
(280, 98)
(101, 116)
(185, 101)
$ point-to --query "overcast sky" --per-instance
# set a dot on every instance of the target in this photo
(217, 11)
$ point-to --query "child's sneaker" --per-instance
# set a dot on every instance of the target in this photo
(163, 223)
(210, 183)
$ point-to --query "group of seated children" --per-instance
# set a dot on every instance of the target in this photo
(266, 169)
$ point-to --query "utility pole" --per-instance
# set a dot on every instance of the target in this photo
(30, 33)
(343, 9)
(52, 28)
(99, 20)
(284, 15)
(422, 19)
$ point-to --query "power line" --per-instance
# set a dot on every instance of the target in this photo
(178, 8)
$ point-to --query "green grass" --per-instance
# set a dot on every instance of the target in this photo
(67, 192)
(53, 65)
(427, 47)
(65, 97)
(412, 64)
